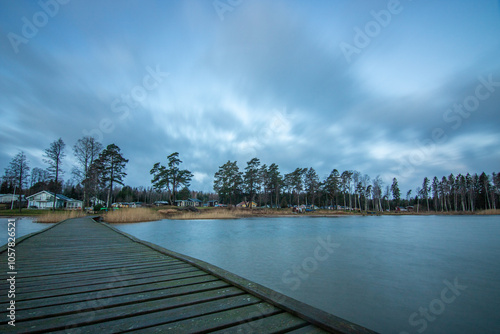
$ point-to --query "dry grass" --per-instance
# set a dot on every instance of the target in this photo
(57, 216)
(206, 214)
(200, 214)
(168, 211)
(489, 212)
(132, 215)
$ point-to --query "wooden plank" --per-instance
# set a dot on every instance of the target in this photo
(117, 292)
(50, 259)
(23, 273)
(116, 284)
(278, 323)
(213, 321)
(96, 316)
(68, 279)
(93, 280)
(169, 316)
(130, 299)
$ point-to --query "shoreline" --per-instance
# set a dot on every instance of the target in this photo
(219, 214)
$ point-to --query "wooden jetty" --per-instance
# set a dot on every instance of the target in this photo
(83, 276)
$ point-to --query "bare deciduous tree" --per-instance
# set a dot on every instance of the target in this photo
(53, 157)
(18, 171)
(86, 151)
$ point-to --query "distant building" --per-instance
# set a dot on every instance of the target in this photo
(96, 201)
(245, 204)
(196, 202)
(213, 203)
(9, 198)
(126, 205)
(188, 202)
(45, 200)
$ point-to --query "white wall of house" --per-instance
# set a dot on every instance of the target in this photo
(45, 200)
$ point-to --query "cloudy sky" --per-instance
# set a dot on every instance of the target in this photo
(399, 89)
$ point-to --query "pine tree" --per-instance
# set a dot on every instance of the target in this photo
(425, 191)
(275, 182)
(228, 181)
(170, 177)
(332, 185)
(251, 179)
(111, 166)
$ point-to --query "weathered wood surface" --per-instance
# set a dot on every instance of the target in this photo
(81, 276)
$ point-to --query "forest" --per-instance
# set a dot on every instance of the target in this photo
(99, 176)
(352, 190)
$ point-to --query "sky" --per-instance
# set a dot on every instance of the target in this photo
(403, 89)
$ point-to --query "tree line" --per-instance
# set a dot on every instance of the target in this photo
(97, 175)
(97, 171)
(265, 185)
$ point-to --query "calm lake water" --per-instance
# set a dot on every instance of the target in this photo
(403, 274)
(24, 226)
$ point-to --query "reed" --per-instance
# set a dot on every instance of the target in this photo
(206, 214)
(489, 212)
(57, 216)
(131, 215)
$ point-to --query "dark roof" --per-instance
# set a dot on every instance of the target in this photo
(59, 196)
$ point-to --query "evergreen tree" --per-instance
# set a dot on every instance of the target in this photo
(332, 185)
(444, 191)
(311, 182)
(484, 186)
(275, 182)
(425, 191)
(170, 177)
(435, 192)
(297, 181)
(228, 182)
(111, 167)
(346, 178)
(184, 194)
(264, 183)
(251, 179)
